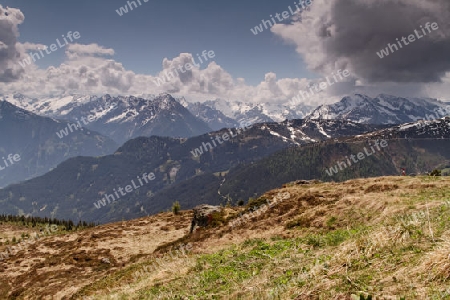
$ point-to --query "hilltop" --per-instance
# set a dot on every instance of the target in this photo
(386, 237)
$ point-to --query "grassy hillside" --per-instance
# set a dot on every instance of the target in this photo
(387, 237)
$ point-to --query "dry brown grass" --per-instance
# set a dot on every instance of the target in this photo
(373, 207)
(47, 267)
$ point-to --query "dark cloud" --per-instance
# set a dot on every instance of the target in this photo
(362, 30)
(9, 54)
(349, 33)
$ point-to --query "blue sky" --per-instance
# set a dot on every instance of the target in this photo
(158, 29)
(276, 65)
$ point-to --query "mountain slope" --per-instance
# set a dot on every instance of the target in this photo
(70, 191)
(416, 147)
(383, 109)
(35, 140)
(213, 117)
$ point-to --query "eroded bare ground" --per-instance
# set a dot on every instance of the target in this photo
(55, 267)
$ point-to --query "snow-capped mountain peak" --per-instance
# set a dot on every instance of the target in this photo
(383, 109)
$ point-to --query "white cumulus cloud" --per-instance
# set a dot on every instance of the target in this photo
(326, 37)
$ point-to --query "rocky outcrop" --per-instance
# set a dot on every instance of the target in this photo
(300, 182)
(203, 215)
(314, 181)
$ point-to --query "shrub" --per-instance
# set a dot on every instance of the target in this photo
(299, 222)
(435, 172)
(256, 203)
(218, 219)
(176, 207)
(330, 222)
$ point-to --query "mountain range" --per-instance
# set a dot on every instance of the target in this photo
(120, 118)
(147, 115)
(231, 171)
(383, 109)
(193, 164)
(70, 190)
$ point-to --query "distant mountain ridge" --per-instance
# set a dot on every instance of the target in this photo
(213, 117)
(134, 117)
(70, 190)
(258, 112)
(417, 147)
(120, 118)
(383, 109)
(160, 115)
(35, 139)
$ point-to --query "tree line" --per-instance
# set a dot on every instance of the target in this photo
(34, 221)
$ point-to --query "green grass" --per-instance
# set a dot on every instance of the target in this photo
(224, 272)
(219, 273)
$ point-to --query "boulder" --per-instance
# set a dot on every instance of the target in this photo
(301, 181)
(314, 181)
(203, 215)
